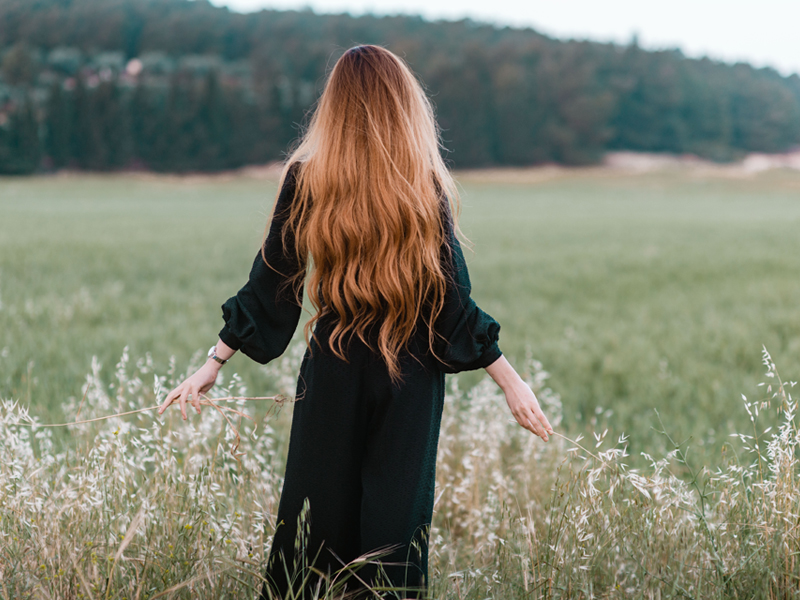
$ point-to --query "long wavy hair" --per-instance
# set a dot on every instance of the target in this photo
(367, 216)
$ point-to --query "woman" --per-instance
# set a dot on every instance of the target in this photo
(363, 216)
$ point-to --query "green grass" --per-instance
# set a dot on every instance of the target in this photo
(644, 292)
(635, 292)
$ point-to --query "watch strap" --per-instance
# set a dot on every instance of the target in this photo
(212, 354)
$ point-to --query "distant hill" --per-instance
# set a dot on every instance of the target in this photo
(182, 85)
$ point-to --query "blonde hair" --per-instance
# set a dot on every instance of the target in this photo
(370, 200)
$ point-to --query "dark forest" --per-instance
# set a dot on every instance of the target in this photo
(179, 85)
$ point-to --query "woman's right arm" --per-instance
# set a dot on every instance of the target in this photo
(200, 382)
(261, 318)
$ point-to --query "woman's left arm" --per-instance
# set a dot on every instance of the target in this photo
(468, 339)
(520, 398)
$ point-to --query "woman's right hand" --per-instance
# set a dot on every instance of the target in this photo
(197, 384)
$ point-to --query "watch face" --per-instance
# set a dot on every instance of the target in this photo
(211, 351)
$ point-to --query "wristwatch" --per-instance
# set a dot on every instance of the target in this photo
(212, 353)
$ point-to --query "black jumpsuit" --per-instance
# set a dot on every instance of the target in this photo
(362, 449)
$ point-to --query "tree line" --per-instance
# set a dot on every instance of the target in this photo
(179, 85)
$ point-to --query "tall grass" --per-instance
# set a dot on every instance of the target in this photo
(147, 507)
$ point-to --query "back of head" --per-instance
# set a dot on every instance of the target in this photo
(368, 205)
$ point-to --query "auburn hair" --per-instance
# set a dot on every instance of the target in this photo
(367, 216)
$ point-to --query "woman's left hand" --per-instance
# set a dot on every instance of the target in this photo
(526, 410)
(520, 398)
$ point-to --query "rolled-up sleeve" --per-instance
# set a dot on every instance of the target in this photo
(468, 337)
(262, 317)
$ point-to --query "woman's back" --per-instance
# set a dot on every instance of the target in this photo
(262, 317)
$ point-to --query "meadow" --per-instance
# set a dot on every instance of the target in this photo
(635, 291)
(619, 295)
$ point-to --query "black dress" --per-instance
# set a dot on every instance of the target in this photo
(362, 450)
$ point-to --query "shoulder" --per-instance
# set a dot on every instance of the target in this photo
(288, 186)
(291, 173)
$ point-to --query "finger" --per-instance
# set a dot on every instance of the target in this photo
(168, 400)
(537, 411)
(196, 399)
(184, 395)
(536, 426)
(539, 432)
(525, 422)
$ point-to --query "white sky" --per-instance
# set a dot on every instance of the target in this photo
(762, 32)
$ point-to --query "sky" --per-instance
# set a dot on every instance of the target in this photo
(761, 32)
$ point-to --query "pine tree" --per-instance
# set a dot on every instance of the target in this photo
(144, 122)
(212, 127)
(21, 147)
(83, 139)
(58, 127)
(112, 121)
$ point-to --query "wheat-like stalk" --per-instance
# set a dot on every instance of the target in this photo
(134, 507)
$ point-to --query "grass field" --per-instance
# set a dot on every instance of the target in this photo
(636, 292)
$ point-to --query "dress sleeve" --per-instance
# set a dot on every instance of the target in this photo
(261, 318)
(468, 336)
